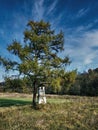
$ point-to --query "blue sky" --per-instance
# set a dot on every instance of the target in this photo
(77, 18)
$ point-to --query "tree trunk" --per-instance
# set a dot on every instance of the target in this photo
(34, 94)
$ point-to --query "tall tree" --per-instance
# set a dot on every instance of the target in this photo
(39, 54)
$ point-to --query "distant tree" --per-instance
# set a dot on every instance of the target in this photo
(13, 85)
(88, 83)
(68, 79)
(38, 55)
(21, 85)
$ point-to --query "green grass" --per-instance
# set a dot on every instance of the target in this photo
(13, 102)
(60, 113)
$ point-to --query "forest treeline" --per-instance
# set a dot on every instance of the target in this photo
(72, 83)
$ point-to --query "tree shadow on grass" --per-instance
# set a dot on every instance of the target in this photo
(13, 102)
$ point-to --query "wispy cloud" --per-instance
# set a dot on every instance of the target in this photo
(47, 12)
(82, 12)
(38, 9)
(52, 7)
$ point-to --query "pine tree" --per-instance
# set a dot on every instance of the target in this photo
(39, 55)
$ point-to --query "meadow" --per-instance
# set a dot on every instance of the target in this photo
(60, 113)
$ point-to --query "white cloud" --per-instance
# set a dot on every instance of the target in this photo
(91, 38)
(89, 58)
(79, 48)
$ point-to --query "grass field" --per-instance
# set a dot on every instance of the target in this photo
(60, 113)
